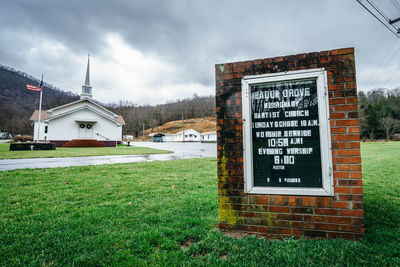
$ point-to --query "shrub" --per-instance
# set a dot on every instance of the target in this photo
(23, 138)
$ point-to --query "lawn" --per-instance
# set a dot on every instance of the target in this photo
(60, 152)
(165, 213)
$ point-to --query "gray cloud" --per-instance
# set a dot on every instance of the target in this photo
(194, 35)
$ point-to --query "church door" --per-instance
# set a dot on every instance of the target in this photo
(85, 130)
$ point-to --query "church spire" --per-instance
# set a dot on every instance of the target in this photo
(87, 89)
(87, 80)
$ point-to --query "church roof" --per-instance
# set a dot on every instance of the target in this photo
(45, 116)
(82, 100)
(120, 119)
(35, 115)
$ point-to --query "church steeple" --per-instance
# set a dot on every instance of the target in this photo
(87, 89)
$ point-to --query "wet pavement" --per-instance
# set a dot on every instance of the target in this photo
(180, 151)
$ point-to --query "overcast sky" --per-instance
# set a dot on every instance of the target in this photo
(150, 52)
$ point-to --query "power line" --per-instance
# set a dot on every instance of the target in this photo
(377, 9)
(396, 32)
(375, 77)
(383, 15)
(394, 72)
(391, 76)
(382, 70)
(372, 13)
(397, 5)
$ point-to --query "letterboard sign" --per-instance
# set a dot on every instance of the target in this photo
(286, 133)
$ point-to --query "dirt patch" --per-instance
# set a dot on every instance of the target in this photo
(223, 256)
(205, 124)
(234, 233)
(186, 245)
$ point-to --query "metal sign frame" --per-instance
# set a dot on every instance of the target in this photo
(324, 131)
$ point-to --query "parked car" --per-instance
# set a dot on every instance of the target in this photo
(158, 137)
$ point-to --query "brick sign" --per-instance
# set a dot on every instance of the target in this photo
(289, 146)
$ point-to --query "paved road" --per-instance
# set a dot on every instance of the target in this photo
(180, 151)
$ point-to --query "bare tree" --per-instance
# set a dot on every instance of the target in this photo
(389, 125)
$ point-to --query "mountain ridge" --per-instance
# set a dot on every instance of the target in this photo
(17, 103)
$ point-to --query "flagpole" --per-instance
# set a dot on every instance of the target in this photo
(40, 109)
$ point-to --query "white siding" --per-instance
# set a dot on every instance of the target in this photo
(190, 136)
(209, 137)
(169, 138)
(67, 128)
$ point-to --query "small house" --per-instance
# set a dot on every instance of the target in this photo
(208, 137)
(189, 135)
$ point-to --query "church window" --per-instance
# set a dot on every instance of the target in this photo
(89, 126)
(82, 125)
(46, 128)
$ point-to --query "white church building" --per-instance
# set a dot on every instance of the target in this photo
(79, 123)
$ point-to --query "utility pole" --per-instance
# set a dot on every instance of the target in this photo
(394, 20)
(143, 131)
(183, 131)
(40, 108)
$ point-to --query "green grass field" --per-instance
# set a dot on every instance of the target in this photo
(165, 213)
(60, 152)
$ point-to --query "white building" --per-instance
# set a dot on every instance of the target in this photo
(5, 135)
(83, 120)
(208, 137)
(169, 138)
(127, 137)
(189, 135)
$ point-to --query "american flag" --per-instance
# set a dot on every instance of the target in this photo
(33, 87)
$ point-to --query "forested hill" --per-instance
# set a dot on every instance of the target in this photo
(17, 103)
(151, 116)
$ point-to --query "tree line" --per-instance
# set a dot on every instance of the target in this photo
(138, 117)
(379, 111)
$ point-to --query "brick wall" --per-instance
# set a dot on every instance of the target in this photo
(278, 216)
(61, 143)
